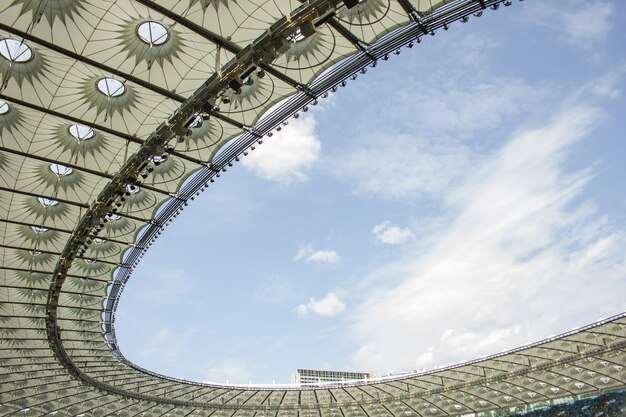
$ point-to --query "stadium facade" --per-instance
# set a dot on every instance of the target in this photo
(112, 113)
(316, 377)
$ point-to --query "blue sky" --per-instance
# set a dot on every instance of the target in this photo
(463, 198)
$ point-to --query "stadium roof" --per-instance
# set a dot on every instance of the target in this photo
(112, 113)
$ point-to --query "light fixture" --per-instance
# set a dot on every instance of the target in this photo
(235, 85)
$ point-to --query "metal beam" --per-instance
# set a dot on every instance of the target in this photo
(101, 128)
(71, 203)
(57, 229)
(410, 10)
(200, 30)
(295, 84)
(80, 58)
(77, 167)
(351, 37)
(36, 271)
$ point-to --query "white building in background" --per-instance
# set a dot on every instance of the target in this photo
(307, 377)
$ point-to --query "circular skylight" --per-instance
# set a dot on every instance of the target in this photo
(153, 33)
(61, 170)
(39, 229)
(132, 189)
(110, 87)
(297, 36)
(15, 51)
(98, 241)
(81, 132)
(34, 252)
(47, 202)
(113, 217)
(197, 122)
(4, 107)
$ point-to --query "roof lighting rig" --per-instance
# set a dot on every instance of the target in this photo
(158, 146)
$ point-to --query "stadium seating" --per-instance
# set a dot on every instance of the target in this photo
(607, 405)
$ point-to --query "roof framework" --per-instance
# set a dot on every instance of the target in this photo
(89, 178)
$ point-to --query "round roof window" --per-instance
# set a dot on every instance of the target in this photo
(39, 229)
(297, 36)
(15, 51)
(47, 202)
(4, 107)
(153, 33)
(98, 241)
(81, 132)
(132, 189)
(61, 170)
(110, 87)
(113, 217)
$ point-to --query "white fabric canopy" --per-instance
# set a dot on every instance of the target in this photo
(85, 86)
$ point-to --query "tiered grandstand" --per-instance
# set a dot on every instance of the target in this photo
(606, 405)
(110, 125)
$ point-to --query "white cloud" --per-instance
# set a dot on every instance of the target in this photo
(422, 151)
(521, 258)
(392, 235)
(570, 17)
(329, 306)
(325, 256)
(288, 154)
(457, 107)
(405, 166)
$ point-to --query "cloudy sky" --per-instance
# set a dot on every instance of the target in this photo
(466, 197)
